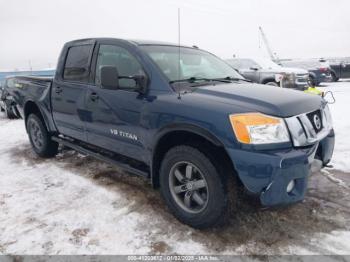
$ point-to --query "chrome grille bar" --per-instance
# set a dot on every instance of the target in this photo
(302, 131)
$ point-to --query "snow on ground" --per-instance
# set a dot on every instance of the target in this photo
(341, 118)
(73, 204)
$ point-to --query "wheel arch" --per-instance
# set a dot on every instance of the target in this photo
(312, 74)
(191, 135)
(267, 80)
(30, 107)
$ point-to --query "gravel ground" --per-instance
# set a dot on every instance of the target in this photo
(73, 204)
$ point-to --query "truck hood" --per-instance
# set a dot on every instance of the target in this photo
(266, 99)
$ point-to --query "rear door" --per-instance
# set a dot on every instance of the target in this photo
(69, 91)
(115, 122)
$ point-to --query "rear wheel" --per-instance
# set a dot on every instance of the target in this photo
(8, 111)
(192, 187)
(334, 77)
(40, 138)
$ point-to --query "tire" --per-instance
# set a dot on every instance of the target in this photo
(8, 112)
(312, 81)
(208, 185)
(272, 83)
(40, 138)
(334, 77)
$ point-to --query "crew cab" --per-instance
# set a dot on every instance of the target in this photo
(265, 71)
(183, 118)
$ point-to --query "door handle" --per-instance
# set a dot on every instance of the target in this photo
(94, 96)
(58, 90)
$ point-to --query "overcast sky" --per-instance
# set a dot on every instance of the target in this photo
(33, 31)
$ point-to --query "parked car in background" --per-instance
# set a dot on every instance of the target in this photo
(264, 71)
(318, 72)
(340, 68)
(190, 124)
(7, 104)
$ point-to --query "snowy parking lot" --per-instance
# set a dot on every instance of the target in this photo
(73, 204)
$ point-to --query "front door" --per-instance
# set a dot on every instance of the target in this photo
(116, 114)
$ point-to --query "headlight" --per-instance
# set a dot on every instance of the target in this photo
(257, 128)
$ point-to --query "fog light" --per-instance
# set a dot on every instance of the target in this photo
(290, 186)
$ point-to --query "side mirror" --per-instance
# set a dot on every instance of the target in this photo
(141, 82)
(109, 77)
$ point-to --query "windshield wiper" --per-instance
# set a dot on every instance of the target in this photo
(228, 78)
(195, 79)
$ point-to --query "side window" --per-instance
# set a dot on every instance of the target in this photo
(126, 64)
(76, 67)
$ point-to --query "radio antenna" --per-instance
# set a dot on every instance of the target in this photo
(179, 40)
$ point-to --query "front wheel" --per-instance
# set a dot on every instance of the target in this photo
(192, 187)
(40, 138)
(272, 83)
(312, 81)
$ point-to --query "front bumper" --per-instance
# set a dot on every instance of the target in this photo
(268, 173)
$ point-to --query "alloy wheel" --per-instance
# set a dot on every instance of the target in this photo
(188, 187)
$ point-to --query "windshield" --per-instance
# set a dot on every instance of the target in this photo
(267, 63)
(194, 63)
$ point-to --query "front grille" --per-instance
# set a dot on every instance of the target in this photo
(308, 128)
(305, 76)
(302, 78)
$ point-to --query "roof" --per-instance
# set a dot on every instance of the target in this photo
(133, 41)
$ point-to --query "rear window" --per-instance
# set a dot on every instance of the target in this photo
(76, 67)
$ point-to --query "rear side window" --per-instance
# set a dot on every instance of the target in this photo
(76, 67)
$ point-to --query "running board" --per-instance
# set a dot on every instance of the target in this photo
(83, 150)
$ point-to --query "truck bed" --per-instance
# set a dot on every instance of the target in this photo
(36, 89)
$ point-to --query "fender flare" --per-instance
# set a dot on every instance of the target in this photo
(25, 115)
(194, 129)
(264, 81)
(198, 130)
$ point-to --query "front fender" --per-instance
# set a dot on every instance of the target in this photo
(198, 130)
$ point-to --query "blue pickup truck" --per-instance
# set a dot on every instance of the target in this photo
(181, 117)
